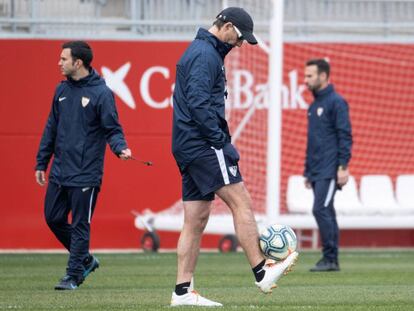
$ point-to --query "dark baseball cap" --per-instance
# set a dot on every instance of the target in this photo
(241, 19)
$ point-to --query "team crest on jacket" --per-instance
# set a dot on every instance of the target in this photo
(85, 101)
(233, 170)
(319, 111)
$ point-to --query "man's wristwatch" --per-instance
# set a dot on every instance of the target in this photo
(342, 167)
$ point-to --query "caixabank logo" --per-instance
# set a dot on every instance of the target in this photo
(243, 90)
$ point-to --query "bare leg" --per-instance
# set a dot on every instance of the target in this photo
(196, 214)
(238, 199)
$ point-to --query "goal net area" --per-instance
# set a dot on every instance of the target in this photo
(375, 80)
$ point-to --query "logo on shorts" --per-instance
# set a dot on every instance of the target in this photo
(233, 170)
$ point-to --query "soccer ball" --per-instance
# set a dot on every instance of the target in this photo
(277, 242)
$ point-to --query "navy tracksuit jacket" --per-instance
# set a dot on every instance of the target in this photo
(328, 146)
(199, 88)
(329, 135)
(82, 120)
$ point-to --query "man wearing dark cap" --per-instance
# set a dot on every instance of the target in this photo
(207, 160)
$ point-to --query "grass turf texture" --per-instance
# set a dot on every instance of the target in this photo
(369, 280)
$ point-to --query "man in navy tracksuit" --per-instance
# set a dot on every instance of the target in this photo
(207, 160)
(83, 118)
(328, 154)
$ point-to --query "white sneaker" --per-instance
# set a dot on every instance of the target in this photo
(192, 299)
(274, 270)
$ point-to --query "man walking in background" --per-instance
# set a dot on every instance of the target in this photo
(83, 118)
(207, 160)
(328, 154)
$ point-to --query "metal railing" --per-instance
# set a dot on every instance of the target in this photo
(178, 19)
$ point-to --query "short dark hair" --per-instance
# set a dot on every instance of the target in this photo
(219, 23)
(80, 50)
(321, 64)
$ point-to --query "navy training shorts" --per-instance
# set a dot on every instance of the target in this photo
(212, 170)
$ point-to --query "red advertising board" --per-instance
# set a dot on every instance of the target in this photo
(147, 71)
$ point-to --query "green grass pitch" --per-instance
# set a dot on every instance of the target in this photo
(369, 280)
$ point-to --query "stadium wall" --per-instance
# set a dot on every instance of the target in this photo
(383, 125)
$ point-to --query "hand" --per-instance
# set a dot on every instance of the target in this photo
(308, 184)
(40, 177)
(125, 154)
(342, 176)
